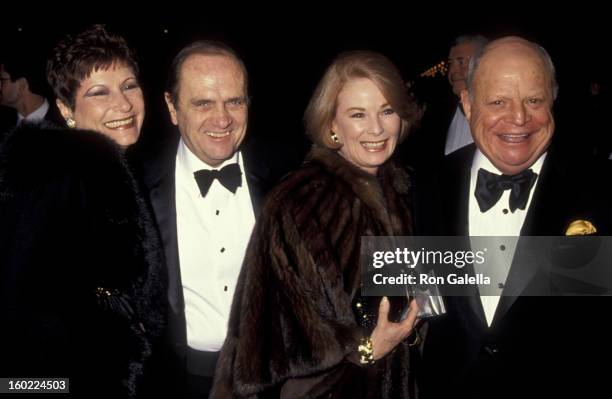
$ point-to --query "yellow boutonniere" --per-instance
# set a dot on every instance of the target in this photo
(580, 228)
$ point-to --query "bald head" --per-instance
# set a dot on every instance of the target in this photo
(508, 49)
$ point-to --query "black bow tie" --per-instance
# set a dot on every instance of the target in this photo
(229, 176)
(490, 187)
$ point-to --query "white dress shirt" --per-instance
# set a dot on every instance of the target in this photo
(496, 225)
(36, 116)
(213, 233)
(459, 134)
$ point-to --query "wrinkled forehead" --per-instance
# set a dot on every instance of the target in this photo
(513, 48)
(512, 60)
(211, 68)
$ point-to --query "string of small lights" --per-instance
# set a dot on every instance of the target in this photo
(440, 68)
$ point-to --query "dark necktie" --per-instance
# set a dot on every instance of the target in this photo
(491, 186)
(229, 176)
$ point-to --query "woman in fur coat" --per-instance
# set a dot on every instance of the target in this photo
(82, 287)
(299, 327)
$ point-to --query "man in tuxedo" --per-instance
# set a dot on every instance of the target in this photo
(513, 181)
(206, 189)
(445, 128)
(21, 88)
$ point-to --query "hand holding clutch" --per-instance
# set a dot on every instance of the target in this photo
(387, 334)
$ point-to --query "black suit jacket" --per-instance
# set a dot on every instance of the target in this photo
(260, 172)
(549, 343)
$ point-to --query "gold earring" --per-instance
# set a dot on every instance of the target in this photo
(71, 123)
(335, 138)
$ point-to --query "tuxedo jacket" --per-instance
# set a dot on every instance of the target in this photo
(260, 172)
(549, 343)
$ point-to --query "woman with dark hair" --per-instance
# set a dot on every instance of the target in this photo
(95, 78)
(299, 326)
(82, 287)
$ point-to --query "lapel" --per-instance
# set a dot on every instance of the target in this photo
(455, 189)
(469, 308)
(255, 174)
(159, 178)
(549, 206)
(455, 195)
(520, 276)
(259, 172)
(547, 214)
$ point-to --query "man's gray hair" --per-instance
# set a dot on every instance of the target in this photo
(479, 40)
(475, 62)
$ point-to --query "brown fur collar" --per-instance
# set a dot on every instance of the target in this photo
(375, 191)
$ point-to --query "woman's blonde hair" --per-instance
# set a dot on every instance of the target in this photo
(379, 69)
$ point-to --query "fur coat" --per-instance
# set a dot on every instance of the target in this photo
(292, 329)
(81, 284)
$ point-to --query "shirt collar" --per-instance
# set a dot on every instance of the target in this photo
(36, 116)
(192, 163)
(481, 161)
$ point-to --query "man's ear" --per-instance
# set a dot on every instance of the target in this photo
(466, 104)
(64, 109)
(171, 108)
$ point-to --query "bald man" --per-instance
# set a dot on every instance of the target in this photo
(514, 182)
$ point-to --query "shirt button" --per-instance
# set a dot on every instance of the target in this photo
(502, 247)
(222, 249)
(217, 212)
(505, 211)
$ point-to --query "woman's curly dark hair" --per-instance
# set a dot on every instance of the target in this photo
(74, 58)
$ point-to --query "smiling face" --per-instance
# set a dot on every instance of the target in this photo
(110, 102)
(366, 125)
(510, 110)
(211, 110)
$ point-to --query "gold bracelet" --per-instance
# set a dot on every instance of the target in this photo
(366, 352)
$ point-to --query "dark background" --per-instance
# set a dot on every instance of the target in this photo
(287, 49)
